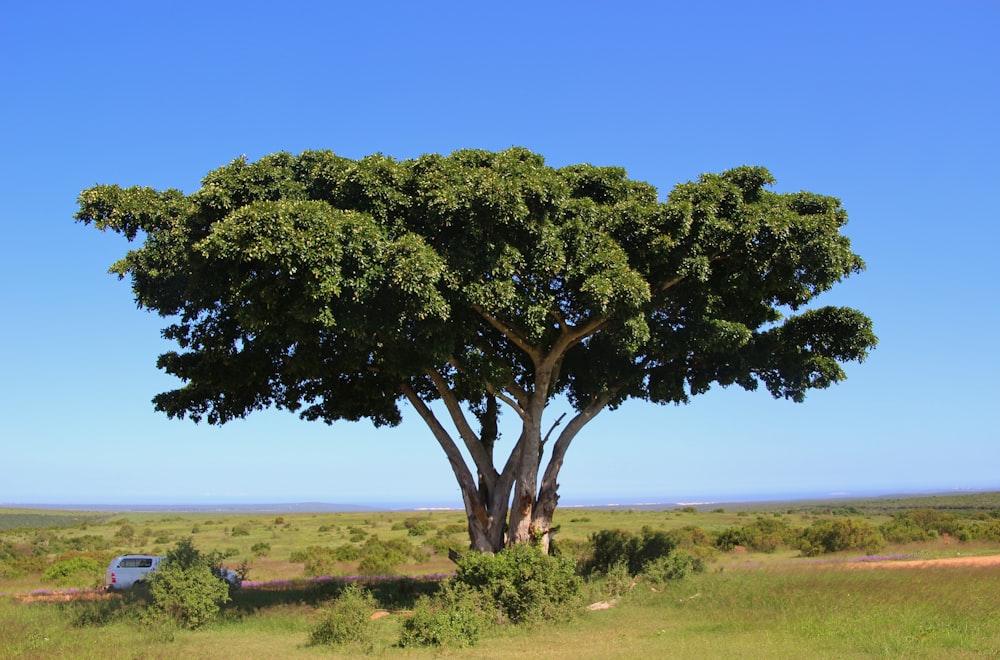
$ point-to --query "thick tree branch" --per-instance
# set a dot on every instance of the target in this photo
(472, 443)
(513, 403)
(671, 283)
(549, 484)
(464, 476)
(507, 331)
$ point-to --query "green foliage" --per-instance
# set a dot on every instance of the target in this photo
(380, 557)
(695, 541)
(836, 535)
(375, 557)
(186, 587)
(521, 584)
(455, 617)
(765, 534)
(981, 531)
(612, 546)
(321, 560)
(260, 549)
(674, 566)
(12, 519)
(348, 619)
(618, 580)
(243, 529)
(125, 533)
(20, 558)
(415, 526)
(79, 571)
(919, 525)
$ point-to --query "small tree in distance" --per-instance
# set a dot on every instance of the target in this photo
(482, 281)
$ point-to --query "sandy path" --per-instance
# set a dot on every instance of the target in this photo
(985, 560)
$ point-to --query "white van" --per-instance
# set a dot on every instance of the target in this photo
(125, 570)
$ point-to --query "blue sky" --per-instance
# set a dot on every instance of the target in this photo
(890, 106)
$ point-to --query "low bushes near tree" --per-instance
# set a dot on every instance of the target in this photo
(522, 584)
(516, 585)
(187, 587)
(347, 619)
(454, 617)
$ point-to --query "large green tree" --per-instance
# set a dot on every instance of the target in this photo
(478, 282)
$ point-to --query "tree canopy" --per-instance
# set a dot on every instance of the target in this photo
(339, 288)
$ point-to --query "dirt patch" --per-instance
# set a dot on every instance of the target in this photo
(62, 596)
(982, 560)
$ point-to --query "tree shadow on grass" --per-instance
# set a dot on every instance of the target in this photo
(392, 593)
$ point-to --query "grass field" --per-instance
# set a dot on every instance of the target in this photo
(746, 604)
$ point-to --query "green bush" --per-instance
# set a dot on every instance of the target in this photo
(612, 546)
(618, 581)
(695, 541)
(80, 571)
(186, 588)
(380, 557)
(86, 543)
(840, 534)
(903, 529)
(348, 620)
(521, 584)
(919, 525)
(452, 618)
(763, 535)
(125, 533)
(241, 529)
(674, 566)
(318, 560)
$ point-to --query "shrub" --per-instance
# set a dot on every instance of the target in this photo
(125, 533)
(348, 620)
(260, 549)
(980, 531)
(453, 528)
(903, 529)
(611, 546)
(695, 541)
(380, 557)
(186, 588)
(919, 525)
(838, 535)
(85, 543)
(762, 535)
(674, 566)
(521, 584)
(242, 529)
(453, 618)
(318, 560)
(618, 581)
(81, 571)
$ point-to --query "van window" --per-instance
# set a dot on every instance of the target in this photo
(136, 562)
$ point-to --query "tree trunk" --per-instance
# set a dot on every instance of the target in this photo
(526, 474)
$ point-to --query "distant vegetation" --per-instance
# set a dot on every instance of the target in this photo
(11, 519)
(329, 579)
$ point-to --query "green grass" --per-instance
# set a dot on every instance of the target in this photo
(804, 611)
(745, 605)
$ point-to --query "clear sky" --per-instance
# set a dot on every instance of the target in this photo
(893, 107)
